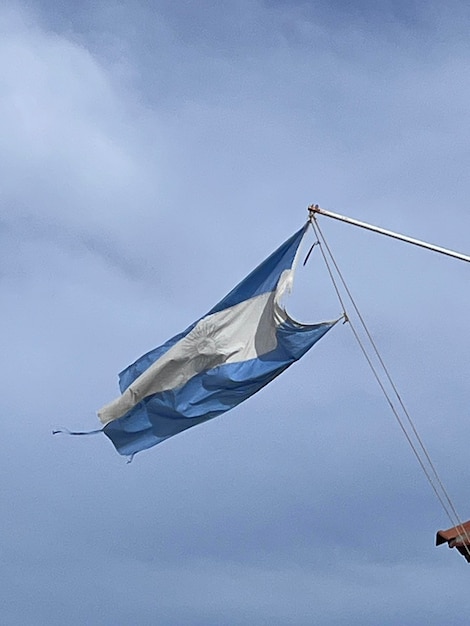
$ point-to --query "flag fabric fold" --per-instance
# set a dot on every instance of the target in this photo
(223, 358)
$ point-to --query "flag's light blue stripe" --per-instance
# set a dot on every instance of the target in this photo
(265, 277)
(210, 393)
(262, 279)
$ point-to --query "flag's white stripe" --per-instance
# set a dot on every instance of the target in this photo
(242, 332)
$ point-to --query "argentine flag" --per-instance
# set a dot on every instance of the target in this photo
(223, 358)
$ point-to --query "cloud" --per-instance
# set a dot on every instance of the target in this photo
(153, 154)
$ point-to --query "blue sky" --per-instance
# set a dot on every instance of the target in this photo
(153, 153)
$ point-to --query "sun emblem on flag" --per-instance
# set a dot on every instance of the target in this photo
(206, 347)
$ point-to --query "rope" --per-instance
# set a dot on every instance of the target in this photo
(430, 470)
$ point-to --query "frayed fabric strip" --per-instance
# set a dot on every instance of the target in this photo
(66, 431)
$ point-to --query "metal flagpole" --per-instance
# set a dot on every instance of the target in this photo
(314, 209)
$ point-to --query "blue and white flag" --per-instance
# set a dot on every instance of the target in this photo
(223, 358)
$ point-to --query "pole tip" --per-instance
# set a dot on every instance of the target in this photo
(313, 208)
